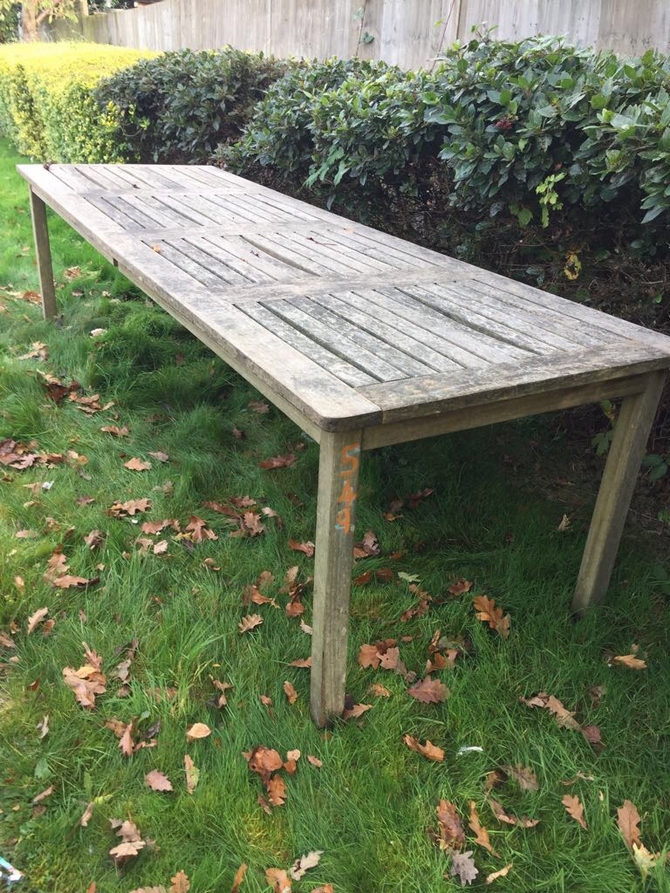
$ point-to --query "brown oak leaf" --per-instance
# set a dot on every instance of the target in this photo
(451, 831)
(157, 781)
(428, 750)
(575, 809)
(429, 691)
(488, 613)
(481, 834)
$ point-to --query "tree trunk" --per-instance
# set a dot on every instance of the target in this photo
(29, 28)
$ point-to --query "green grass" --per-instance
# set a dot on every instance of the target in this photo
(371, 806)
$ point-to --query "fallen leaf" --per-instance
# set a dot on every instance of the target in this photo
(427, 750)
(628, 821)
(251, 621)
(259, 406)
(463, 865)
(291, 764)
(115, 430)
(131, 507)
(180, 883)
(379, 691)
(86, 683)
(192, 774)
(575, 809)
(302, 865)
(524, 776)
(126, 742)
(131, 842)
(630, 661)
(278, 461)
(355, 711)
(198, 730)
(481, 834)
(239, 877)
(136, 464)
(264, 761)
(502, 872)
(157, 781)
(488, 613)
(564, 717)
(644, 860)
(302, 662)
(159, 456)
(307, 548)
(43, 726)
(429, 691)
(368, 656)
(46, 793)
(290, 692)
(502, 816)
(87, 815)
(35, 619)
(278, 879)
(314, 761)
(276, 788)
(450, 827)
(368, 546)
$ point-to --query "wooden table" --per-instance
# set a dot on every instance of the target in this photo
(362, 339)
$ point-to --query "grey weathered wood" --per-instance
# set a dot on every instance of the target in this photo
(417, 397)
(477, 415)
(43, 252)
(616, 489)
(360, 338)
(339, 461)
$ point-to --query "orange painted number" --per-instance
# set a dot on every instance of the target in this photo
(349, 462)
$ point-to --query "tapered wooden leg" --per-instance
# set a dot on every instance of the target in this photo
(339, 462)
(616, 489)
(43, 252)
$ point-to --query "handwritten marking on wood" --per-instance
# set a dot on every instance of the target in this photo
(349, 462)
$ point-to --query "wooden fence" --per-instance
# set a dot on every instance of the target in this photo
(407, 32)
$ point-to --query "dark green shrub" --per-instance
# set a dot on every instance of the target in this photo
(180, 106)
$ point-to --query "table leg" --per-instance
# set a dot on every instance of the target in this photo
(43, 252)
(616, 489)
(339, 462)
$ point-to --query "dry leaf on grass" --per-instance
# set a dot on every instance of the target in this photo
(198, 730)
(481, 833)
(307, 548)
(35, 619)
(502, 872)
(488, 613)
(450, 827)
(379, 691)
(355, 711)
(628, 822)
(429, 691)
(502, 816)
(251, 621)
(278, 879)
(290, 692)
(315, 761)
(86, 683)
(564, 717)
(278, 461)
(131, 842)
(192, 774)
(524, 776)
(239, 877)
(428, 750)
(302, 865)
(180, 883)
(575, 809)
(630, 661)
(157, 781)
(136, 464)
(463, 866)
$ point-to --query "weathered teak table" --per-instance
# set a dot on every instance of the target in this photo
(362, 339)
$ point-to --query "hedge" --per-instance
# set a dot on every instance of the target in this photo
(47, 107)
(180, 106)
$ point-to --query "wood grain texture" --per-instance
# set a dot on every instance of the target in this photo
(339, 461)
(43, 253)
(616, 489)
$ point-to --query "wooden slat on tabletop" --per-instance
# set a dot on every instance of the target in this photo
(453, 299)
(395, 332)
(352, 351)
(380, 346)
(344, 370)
(460, 339)
(240, 256)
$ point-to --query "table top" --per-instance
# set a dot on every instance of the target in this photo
(351, 326)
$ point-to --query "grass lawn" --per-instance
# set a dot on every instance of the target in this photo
(160, 620)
